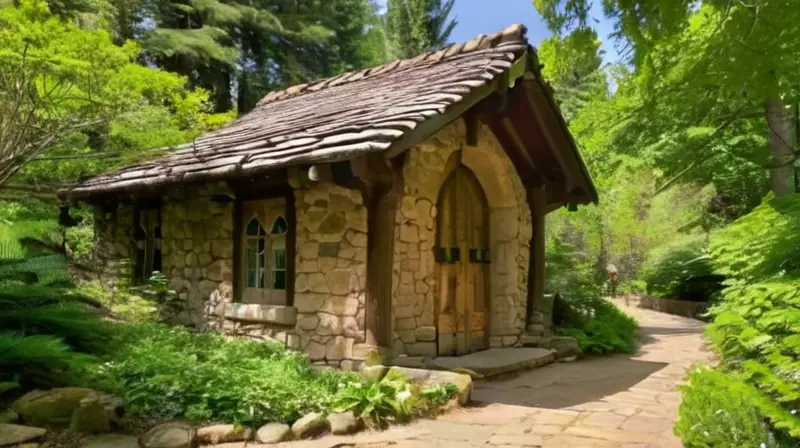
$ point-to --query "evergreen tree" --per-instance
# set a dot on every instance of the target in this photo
(417, 26)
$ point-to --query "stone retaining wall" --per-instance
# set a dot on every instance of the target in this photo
(683, 308)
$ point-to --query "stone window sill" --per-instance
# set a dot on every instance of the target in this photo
(254, 312)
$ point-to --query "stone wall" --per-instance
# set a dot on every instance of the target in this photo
(112, 252)
(331, 273)
(413, 282)
(197, 250)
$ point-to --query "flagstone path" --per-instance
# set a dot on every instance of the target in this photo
(619, 401)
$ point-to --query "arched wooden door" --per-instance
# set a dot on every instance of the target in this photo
(462, 262)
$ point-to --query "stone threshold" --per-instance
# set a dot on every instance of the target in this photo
(487, 363)
(257, 313)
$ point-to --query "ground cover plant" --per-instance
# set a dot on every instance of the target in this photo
(598, 325)
(165, 372)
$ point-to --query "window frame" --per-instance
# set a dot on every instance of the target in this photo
(240, 221)
(139, 274)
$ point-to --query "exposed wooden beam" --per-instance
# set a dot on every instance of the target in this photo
(537, 201)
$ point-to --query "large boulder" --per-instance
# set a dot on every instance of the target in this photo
(429, 378)
(212, 435)
(90, 417)
(310, 425)
(55, 407)
(273, 433)
(373, 374)
(9, 416)
(343, 423)
(18, 434)
(565, 346)
(169, 435)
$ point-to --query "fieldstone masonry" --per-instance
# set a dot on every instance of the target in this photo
(113, 243)
(413, 280)
(331, 273)
(327, 319)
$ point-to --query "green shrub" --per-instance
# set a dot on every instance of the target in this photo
(46, 333)
(377, 402)
(598, 325)
(719, 410)
(394, 398)
(682, 270)
(169, 372)
(756, 324)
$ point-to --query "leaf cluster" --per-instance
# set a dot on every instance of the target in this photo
(167, 372)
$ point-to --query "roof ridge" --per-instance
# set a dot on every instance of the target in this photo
(515, 33)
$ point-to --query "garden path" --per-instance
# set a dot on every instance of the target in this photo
(622, 401)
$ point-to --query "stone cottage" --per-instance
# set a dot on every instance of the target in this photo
(399, 207)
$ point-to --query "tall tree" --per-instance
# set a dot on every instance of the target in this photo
(572, 65)
(695, 56)
(57, 80)
(417, 26)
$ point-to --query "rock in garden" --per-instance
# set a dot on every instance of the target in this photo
(54, 407)
(565, 346)
(310, 425)
(110, 441)
(462, 382)
(16, 434)
(169, 435)
(212, 435)
(9, 416)
(90, 417)
(373, 374)
(343, 423)
(273, 433)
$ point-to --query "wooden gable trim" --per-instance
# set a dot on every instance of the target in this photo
(432, 125)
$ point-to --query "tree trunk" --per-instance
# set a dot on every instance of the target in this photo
(782, 157)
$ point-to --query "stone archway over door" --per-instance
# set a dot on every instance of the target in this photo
(462, 269)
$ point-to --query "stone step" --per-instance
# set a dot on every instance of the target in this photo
(496, 361)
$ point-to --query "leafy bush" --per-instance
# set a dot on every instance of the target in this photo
(569, 270)
(682, 270)
(394, 398)
(168, 372)
(47, 332)
(756, 324)
(718, 410)
(377, 402)
(598, 325)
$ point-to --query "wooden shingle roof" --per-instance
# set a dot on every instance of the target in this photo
(336, 119)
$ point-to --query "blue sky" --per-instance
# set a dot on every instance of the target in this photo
(487, 16)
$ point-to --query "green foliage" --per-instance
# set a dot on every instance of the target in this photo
(379, 401)
(762, 244)
(417, 26)
(682, 270)
(598, 325)
(168, 372)
(46, 334)
(719, 410)
(572, 65)
(755, 327)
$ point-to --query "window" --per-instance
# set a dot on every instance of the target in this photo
(255, 245)
(264, 258)
(278, 247)
(147, 242)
